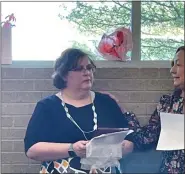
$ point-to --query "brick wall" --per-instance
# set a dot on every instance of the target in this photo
(137, 89)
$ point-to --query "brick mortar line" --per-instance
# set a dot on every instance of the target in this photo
(13, 152)
(28, 116)
(13, 139)
(34, 102)
(15, 128)
(122, 91)
(19, 103)
(10, 140)
(31, 114)
(8, 164)
(24, 91)
(167, 78)
(7, 116)
(16, 116)
(96, 91)
(147, 90)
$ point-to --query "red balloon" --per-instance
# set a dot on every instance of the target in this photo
(116, 45)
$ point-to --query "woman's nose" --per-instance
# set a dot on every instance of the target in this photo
(172, 70)
(86, 72)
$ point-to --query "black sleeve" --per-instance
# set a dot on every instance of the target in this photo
(37, 129)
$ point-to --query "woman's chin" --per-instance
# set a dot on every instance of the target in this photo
(87, 87)
(178, 85)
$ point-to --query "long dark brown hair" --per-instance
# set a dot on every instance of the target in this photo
(178, 49)
(177, 91)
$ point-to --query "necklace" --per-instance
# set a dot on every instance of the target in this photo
(74, 122)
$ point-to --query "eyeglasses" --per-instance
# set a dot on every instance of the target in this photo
(81, 68)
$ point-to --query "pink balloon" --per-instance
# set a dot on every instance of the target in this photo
(116, 45)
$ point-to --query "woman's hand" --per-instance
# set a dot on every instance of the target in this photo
(80, 148)
(116, 99)
(111, 95)
(128, 147)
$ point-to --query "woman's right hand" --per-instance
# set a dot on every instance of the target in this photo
(80, 148)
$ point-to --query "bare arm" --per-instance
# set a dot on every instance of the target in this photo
(39, 142)
(44, 151)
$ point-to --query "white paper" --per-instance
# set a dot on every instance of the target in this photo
(100, 145)
(104, 150)
(172, 132)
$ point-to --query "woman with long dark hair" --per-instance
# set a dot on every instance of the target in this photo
(147, 137)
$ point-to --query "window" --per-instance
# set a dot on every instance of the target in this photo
(44, 29)
(39, 33)
(162, 29)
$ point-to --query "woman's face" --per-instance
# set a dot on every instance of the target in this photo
(177, 70)
(82, 76)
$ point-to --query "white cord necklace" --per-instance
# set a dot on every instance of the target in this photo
(71, 118)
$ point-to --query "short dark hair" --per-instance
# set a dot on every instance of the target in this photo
(67, 61)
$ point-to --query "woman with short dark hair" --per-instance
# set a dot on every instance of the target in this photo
(68, 61)
(62, 124)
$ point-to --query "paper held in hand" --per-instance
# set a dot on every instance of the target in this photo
(101, 146)
(104, 150)
(172, 132)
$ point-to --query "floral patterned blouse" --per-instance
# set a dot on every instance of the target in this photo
(147, 137)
